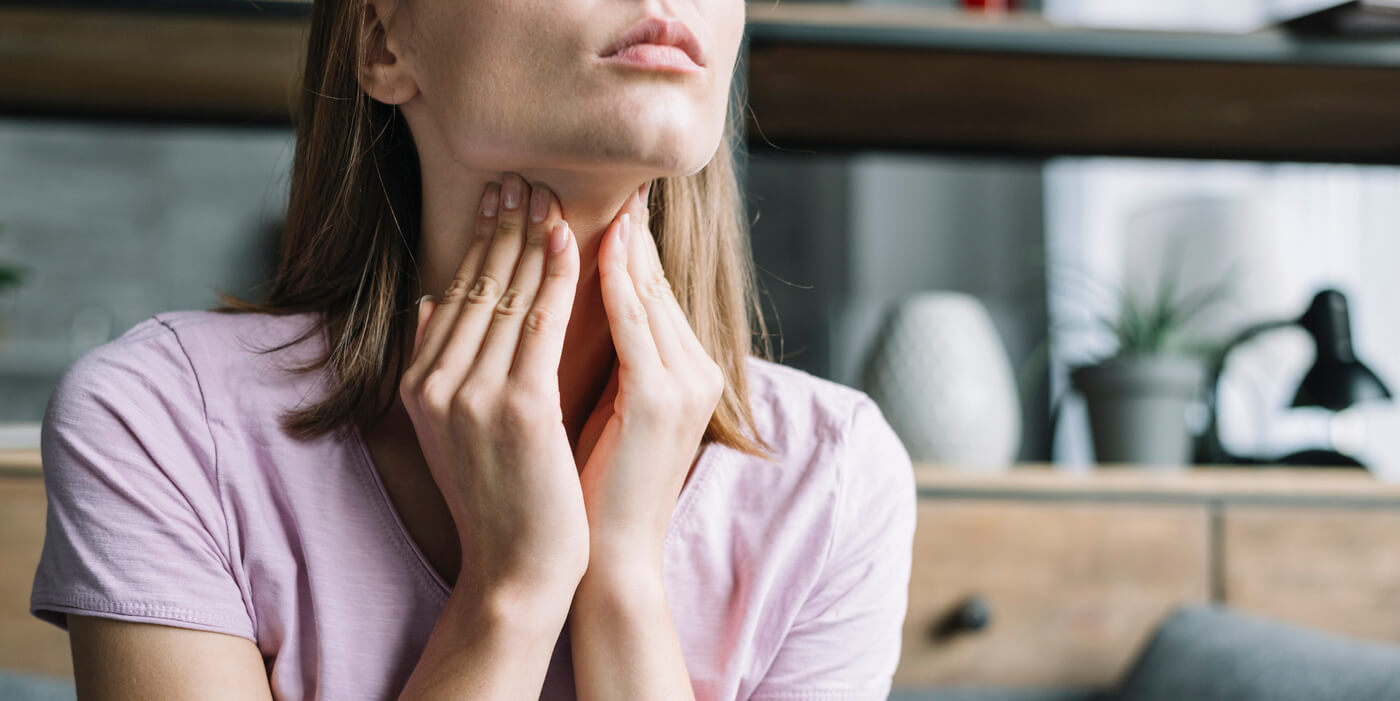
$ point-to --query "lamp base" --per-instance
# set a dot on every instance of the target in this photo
(1319, 458)
(1303, 458)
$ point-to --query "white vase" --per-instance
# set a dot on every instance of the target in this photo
(942, 377)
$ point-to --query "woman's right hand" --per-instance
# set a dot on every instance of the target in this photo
(482, 391)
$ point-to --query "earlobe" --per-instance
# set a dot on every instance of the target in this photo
(383, 75)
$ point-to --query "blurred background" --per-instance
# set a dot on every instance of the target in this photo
(1045, 235)
(115, 219)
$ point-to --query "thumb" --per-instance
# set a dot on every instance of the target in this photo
(426, 305)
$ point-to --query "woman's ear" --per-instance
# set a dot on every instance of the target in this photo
(383, 74)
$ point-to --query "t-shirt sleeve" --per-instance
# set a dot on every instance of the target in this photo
(844, 644)
(135, 529)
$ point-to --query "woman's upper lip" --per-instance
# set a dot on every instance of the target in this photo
(657, 30)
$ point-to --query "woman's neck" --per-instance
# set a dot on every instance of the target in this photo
(589, 204)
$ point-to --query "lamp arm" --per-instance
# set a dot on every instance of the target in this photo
(1209, 450)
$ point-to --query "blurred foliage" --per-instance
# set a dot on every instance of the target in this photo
(10, 275)
(1157, 323)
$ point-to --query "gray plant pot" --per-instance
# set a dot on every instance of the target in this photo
(1139, 405)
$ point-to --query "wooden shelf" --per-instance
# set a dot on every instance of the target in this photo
(830, 78)
(109, 64)
(20, 463)
(1348, 488)
(836, 78)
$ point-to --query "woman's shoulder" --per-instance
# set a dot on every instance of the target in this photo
(201, 355)
(217, 335)
(824, 435)
(799, 410)
(210, 333)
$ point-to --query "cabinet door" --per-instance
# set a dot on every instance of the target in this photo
(26, 643)
(1335, 569)
(1074, 589)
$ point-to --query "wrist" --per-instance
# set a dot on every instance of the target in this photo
(622, 588)
(532, 606)
(626, 551)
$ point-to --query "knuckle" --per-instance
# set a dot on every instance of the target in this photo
(468, 403)
(408, 392)
(408, 384)
(541, 320)
(538, 234)
(510, 226)
(485, 291)
(512, 303)
(435, 391)
(657, 288)
(633, 312)
(523, 404)
(456, 289)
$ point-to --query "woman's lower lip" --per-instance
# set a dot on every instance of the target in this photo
(654, 56)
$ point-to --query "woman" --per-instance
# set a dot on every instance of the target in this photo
(566, 476)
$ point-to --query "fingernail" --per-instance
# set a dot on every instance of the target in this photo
(558, 237)
(539, 204)
(420, 300)
(489, 201)
(510, 192)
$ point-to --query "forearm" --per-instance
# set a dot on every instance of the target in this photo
(489, 647)
(623, 640)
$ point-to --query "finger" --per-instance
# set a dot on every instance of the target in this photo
(542, 340)
(503, 336)
(627, 317)
(644, 265)
(479, 301)
(680, 323)
(425, 312)
(446, 307)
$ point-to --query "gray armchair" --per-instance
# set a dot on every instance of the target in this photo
(1211, 653)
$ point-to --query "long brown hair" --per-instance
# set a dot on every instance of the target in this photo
(352, 227)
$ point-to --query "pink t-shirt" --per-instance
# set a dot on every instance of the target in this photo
(175, 498)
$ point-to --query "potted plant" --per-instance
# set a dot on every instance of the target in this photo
(1140, 397)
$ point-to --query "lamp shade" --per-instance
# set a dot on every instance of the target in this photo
(1337, 380)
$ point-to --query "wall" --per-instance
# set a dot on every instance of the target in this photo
(118, 222)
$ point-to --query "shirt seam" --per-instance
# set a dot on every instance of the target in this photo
(838, 451)
(45, 600)
(214, 448)
(838, 500)
(682, 517)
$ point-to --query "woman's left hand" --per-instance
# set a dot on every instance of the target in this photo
(639, 444)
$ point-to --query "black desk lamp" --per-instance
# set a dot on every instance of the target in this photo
(1336, 381)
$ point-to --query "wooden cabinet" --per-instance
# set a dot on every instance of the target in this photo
(1323, 567)
(26, 643)
(1072, 587)
(1076, 571)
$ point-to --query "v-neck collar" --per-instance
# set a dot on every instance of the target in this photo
(711, 453)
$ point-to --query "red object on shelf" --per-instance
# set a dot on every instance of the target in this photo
(991, 5)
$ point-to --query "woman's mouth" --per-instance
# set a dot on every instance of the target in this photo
(657, 44)
(653, 57)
